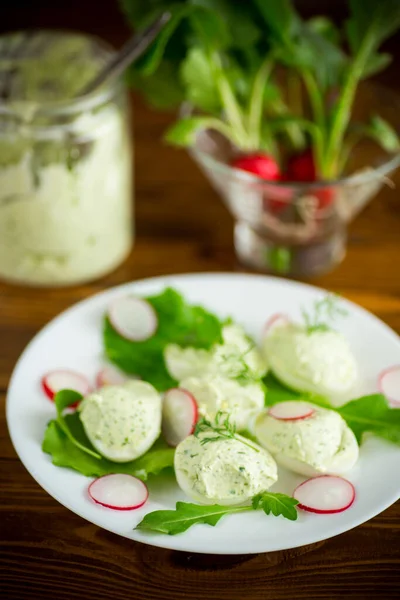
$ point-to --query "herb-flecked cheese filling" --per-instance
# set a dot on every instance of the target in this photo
(320, 443)
(226, 471)
(122, 422)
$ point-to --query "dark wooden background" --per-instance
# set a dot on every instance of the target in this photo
(48, 552)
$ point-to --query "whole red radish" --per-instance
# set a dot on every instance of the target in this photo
(262, 165)
(301, 168)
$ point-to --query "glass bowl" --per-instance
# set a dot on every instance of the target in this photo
(299, 229)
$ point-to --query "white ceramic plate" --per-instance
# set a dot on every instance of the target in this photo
(73, 340)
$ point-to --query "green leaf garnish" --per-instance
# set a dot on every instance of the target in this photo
(275, 392)
(221, 427)
(178, 323)
(277, 504)
(63, 400)
(323, 313)
(372, 414)
(65, 452)
(185, 515)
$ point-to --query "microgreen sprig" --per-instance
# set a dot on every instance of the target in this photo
(222, 427)
(324, 311)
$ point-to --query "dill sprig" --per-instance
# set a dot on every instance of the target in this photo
(222, 427)
(234, 365)
(324, 311)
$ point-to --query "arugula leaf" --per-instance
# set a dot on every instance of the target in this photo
(178, 323)
(278, 392)
(185, 515)
(277, 504)
(66, 453)
(372, 414)
(63, 400)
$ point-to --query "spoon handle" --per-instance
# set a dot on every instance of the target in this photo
(128, 54)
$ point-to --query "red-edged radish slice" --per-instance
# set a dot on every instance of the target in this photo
(292, 410)
(133, 318)
(179, 416)
(389, 384)
(110, 376)
(62, 379)
(325, 495)
(119, 491)
(277, 320)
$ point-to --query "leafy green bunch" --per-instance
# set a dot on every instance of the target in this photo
(225, 57)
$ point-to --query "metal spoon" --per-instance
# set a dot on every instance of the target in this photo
(129, 53)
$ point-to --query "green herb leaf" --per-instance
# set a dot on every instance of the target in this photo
(178, 323)
(198, 80)
(326, 28)
(377, 63)
(372, 414)
(277, 504)
(185, 131)
(383, 133)
(66, 453)
(221, 429)
(372, 21)
(278, 392)
(185, 515)
(240, 22)
(323, 313)
(163, 89)
(63, 400)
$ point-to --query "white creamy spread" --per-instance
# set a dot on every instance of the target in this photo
(122, 422)
(64, 225)
(320, 443)
(235, 355)
(224, 471)
(320, 361)
(217, 393)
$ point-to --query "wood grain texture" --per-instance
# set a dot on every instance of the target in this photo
(46, 552)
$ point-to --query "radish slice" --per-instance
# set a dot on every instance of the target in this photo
(326, 494)
(133, 318)
(179, 417)
(119, 491)
(389, 384)
(291, 410)
(277, 320)
(56, 381)
(110, 376)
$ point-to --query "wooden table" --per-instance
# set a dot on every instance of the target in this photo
(46, 551)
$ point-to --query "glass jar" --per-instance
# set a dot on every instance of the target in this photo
(65, 163)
